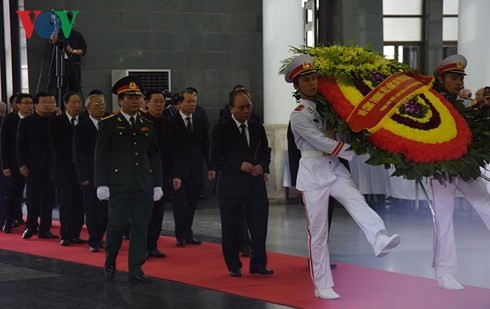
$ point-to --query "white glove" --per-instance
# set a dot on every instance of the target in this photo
(157, 193)
(103, 193)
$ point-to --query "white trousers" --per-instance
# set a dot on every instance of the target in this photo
(443, 200)
(344, 190)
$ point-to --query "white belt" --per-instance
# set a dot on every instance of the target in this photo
(313, 153)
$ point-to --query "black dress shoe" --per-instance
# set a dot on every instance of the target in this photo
(65, 242)
(261, 271)
(109, 271)
(27, 234)
(47, 235)
(7, 229)
(78, 240)
(235, 273)
(180, 243)
(93, 249)
(192, 241)
(156, 253)
(246, 251)
(141, 279)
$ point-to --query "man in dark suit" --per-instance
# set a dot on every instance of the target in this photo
(83, 154)
(35, 160)
(155, 105)
(64, 172)
(128, 173)
(241, 153)
(190, 147)
(14, 181)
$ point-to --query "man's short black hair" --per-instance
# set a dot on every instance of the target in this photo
(12, 97)
(20, 96)
(68, 94)
(236, 93)
(40, 95)
(191, 89)
(96, 91)
(151, 92)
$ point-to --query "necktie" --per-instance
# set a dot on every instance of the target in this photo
(131, 121)
(242, 131)
(189, 125)
(73, 122)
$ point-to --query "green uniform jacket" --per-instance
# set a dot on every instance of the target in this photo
(127, 159)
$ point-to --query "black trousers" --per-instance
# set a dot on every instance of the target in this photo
(95, 214)
(155, 224)
(40, 201)
(14, 187)
(257, 214)
(72, 214)
(184, 207)
(73, 76)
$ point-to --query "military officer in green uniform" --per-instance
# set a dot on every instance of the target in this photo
(128, 173)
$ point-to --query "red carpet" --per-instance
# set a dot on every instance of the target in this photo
(203, 266)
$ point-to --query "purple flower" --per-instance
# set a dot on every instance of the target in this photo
(378, 77)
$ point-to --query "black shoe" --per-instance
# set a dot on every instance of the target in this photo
(142, 279)
(7, 229)
(192, 241)
(180, 243)
(101, 245)
(109, 271)
(27, 234)
(65, 242)
(78, 240)
(246, 251)
(19, 222)
(47, 235)
(261, 271)
(93, 249)
(235, 273)
(156, 253)
(333, 266)
(126, 237)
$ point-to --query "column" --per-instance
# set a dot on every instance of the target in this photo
(473, 43)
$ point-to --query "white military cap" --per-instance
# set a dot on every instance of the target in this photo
(301, 65)
(452, 64)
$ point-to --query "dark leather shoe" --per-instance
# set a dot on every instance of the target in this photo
(27, 234)
(65, 242)
(94, 249)
(47, 235)
(261, 271)
(101, 245)
(235, 273)
(246, 251)
(7, 229)
(192, 241)
(78, 240)
(156, 253)
(140, 279)
(180, 243)
(109, 271)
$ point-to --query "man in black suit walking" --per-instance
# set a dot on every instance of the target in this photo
(34, 159)
(190, 147)
(14, 180)
(64, 172)
(83, 153)
(241, 153)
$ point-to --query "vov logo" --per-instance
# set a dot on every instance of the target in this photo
(45, 23)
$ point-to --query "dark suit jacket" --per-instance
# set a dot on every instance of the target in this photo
(61, 138)
(8, 141)
(229, 150)
(188, 151)
(127, 159)
(33, 148)
(83, 150)
(164, 141)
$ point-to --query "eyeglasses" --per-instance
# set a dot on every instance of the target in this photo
(97, 104)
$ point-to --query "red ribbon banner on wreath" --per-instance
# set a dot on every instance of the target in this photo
(374, 107)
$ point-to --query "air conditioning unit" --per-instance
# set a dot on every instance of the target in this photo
(154, 79)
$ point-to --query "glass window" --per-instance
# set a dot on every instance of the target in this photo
(450, 29)
(398, 7)
(450, 7)
(402, 29)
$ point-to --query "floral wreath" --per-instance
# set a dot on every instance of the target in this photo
(396, 115)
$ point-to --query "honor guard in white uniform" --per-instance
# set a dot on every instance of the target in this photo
(450, 75)
(321, 175)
